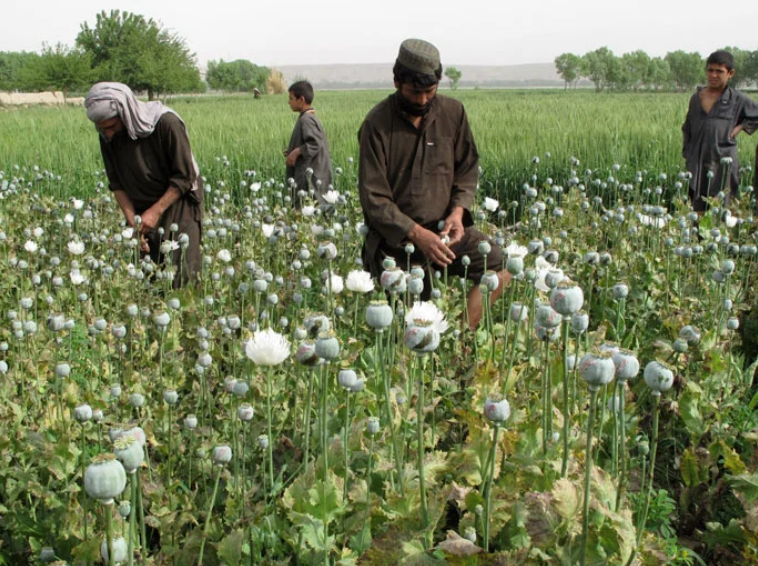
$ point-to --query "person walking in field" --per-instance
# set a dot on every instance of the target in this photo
(716, 115)
(152, 173)
(418, 172)
(308, 148)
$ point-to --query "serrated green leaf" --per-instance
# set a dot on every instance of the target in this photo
(230, 548)
(747, 484)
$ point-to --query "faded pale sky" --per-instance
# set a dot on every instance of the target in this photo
(468, 32)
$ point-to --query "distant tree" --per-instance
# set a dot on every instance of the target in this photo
(128, 48)
(658, 74)
(597, 66)
(454, 75)
(11, 63)
(751, 67)
(741, 65)
(57, 68)
(618, 77)
(687, 69)
(636, 65)
(239, 76)
(569, 67)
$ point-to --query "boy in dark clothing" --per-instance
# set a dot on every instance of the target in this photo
(308, 148)
(716, 114)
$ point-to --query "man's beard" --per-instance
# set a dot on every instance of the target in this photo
(413, 109)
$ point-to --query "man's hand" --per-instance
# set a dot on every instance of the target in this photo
(454, 226)
(431, 245)
(292, 157)
(150, 219)
(736, 130)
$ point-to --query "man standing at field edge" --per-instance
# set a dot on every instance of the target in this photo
(152, 173)
(417, 178)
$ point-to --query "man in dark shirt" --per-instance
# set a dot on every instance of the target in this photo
(716, 115)
(152, 173)
(418, 173)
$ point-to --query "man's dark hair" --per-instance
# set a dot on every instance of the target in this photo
(404, 75)
(302, 89)
(721, 57)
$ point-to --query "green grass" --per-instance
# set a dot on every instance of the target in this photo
(638, 131)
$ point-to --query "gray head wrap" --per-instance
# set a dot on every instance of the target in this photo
(108, 100)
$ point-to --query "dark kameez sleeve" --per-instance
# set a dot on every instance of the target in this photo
(382, 214)
(114, 183)
(313, 136)
(749, 115)
(466, 167)
(177, 151)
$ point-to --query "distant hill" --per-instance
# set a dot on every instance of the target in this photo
(379, 75)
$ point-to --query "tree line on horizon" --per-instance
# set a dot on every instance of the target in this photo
(129, 48)
(138, 51)
(636, 71)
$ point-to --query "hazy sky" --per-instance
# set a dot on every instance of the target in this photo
(467, 32)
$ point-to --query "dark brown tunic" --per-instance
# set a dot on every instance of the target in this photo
(411, 176)
(144, 169)
(309, 136)
(706, 141)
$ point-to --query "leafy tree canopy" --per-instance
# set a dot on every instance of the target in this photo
(128, 48)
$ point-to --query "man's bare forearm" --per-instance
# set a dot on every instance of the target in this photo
(171, 195)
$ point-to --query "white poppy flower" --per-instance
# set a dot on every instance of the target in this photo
(31, 246)
(330, 197)
(490, 204)
(426, 312)
(224, 255)
(267, 348)
(360, 281)
(76, 247)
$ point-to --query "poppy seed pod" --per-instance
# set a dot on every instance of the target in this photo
(83, 413)
(515, 265)
(497, 410)
(129, 452)
(393, 280)
(490, 281)
(379, 315)
(659, 377)
(566, 298)
(62, 370)
(306, 353)
(620, 291)
(732, 323)
(690, 334)
(519, 311)
(327, 346)
(627, 364)
(415, 286)
(171, 397)
(422, 338)
(120, 550)
(547, 317)
(190, 422)
(372, 425)
(327, 251)
(680, 345)
(222, 455)
(597, 369)
(245, 412)
(136, 400)
(105, 478)
(580, 321)
(346, 378)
